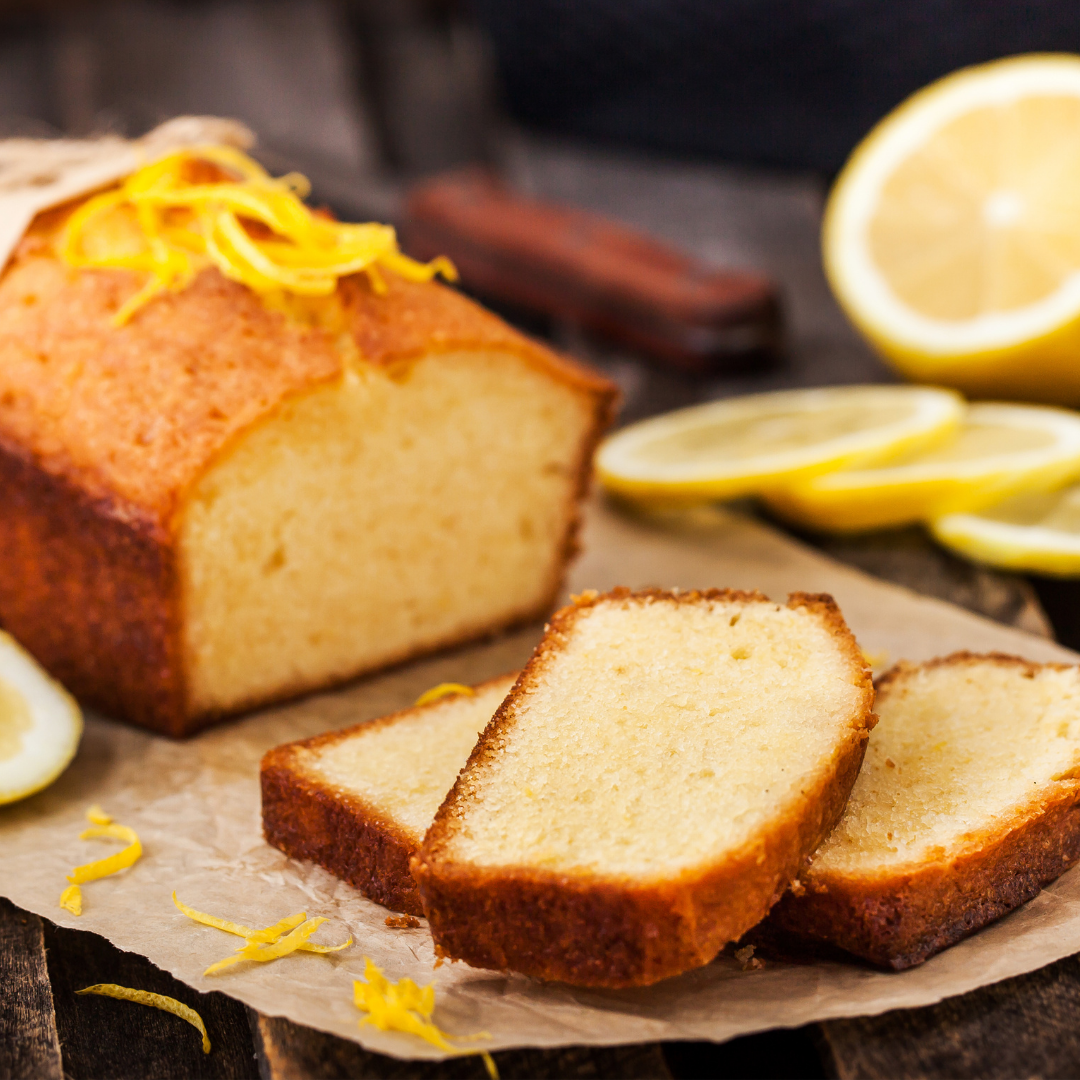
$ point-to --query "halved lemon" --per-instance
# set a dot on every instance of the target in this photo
(952, 235)
(740, 446)
(999, 450)
(1037, 531)
(40, 724)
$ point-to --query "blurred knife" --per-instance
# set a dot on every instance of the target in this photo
(581, 267)
(568, 264)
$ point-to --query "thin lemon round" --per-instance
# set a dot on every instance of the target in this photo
(740, 446)
(40, 724)
(952, 235)
(998, 451)
(1037, 531)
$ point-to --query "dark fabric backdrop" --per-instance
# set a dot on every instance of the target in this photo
(783, 82)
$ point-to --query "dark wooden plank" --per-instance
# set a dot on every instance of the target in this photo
(1025, 1026)
(288, 1051)
(29, 1045)
(104, 1037)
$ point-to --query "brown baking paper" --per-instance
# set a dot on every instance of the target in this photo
(195, 805)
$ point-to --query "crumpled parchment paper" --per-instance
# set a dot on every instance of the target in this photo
(195, 805)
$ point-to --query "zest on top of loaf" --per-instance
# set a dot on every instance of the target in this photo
(650, 786)
(218, 505)
(965, 807)
(215, 206)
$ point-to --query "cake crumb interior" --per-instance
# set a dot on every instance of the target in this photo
(660, 735)
(960, 749)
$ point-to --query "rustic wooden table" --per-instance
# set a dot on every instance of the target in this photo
(1021, 1027)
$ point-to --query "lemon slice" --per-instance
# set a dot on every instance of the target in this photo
(1037, 531)
(952, 235)
(739, 446)
(40, 724)
(999, 450)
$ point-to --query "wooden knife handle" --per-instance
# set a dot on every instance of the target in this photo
(581, 267)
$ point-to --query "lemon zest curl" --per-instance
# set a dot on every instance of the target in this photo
(254, 228)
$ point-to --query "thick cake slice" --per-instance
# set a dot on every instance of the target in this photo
(222, 503)
(965, 807)
(646, 792)
(359, 801)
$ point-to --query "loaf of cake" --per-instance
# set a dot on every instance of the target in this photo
(358, 802)
(224, 502)
(655, 779)
(968, 803)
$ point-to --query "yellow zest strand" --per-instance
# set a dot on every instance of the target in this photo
(270, 935)
(71, 897)
(184, 226)
(444, 689)
(404, 1006)
(96, 816)
(254, 951)
(158, 1001)
(100, 868)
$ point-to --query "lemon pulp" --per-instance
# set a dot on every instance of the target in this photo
(999, 450)
(1037, 531)
(952, 236)
(15, 720)
(741, 446)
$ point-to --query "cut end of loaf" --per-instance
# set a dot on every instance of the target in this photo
(657, 775)
(383, 516)
(965, 807)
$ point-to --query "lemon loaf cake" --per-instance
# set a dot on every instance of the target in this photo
(359, 801)
(658, 774)
(966, 806)
(220, 504)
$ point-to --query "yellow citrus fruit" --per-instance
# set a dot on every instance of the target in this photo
(999, 450)
(1037, 531)
(952, 235)
(741, 446)
(40, 724)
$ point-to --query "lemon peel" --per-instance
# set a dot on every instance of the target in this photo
(157, 1001)
(1036, 531)
(403, 1006)
(183, 225)
(444, 689)
(264, 944)
(748, 445)
(103, 826)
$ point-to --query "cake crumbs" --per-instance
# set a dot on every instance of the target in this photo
(403, 922)
(748, 960)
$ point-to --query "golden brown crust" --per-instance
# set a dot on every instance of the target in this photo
(599, 932)
(308, 819)
(902, 917)
(125, 420)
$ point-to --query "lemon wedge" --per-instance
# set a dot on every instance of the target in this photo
(740, 446)
(998, 451)
(952, 235)
(40, 724)
(1037, 531)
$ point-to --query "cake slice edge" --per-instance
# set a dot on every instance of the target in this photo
(900, 918)
(308, 818)
(621, 934)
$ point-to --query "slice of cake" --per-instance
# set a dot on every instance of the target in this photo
(968, 803)
(359, 801)
(657, 776)
(227, 501)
